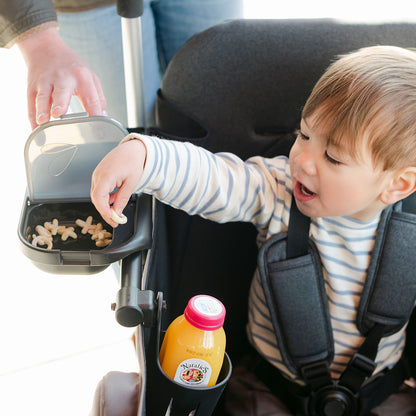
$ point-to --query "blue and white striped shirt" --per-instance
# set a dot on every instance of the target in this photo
(223, 188)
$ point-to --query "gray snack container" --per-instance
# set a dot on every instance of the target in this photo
(60, 157)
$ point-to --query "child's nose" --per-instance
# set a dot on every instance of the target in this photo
(306, 162)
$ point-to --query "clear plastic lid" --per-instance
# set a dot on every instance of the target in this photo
(60, 156)
(205, 312)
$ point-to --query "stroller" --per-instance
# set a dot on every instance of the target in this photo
(238, 87)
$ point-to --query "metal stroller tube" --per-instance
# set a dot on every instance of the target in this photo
(133, 306)
(130, 12)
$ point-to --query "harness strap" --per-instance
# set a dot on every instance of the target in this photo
(291, 275)
(362, 365)
(296, 397)
(295, 292)
(298, 234)
(389, 291)
(385, 384)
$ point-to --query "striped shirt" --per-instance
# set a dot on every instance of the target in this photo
(223, 188)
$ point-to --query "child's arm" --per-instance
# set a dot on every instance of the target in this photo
(220, 187)
(121, 168)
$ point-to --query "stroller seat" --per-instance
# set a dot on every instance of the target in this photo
(238, 87)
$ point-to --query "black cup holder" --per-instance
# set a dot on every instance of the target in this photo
(162, 391)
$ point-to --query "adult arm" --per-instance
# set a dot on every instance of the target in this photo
(55, 74)
(21, 18)
(55, 71)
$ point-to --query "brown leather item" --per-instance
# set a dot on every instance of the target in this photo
(117, 395)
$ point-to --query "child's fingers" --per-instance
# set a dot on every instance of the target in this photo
(120, 168)
(104, 208)
(118, 218)
(123, 195)
(109, 203)
(101, 198)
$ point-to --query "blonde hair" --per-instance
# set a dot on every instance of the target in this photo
(369, 97)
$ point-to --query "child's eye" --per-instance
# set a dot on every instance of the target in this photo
(331, 159)
(302, 136)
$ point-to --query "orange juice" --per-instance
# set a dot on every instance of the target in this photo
(194, 345)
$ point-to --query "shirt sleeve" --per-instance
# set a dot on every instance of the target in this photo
(220, 187)
(20, 16)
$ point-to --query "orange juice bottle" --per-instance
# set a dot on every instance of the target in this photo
(193, 348)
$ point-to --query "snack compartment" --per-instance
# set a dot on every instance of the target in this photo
(81, 255)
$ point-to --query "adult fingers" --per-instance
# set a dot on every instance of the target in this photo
(100, 93)
(38, 104)
(61, 97)
(90, 93)
(31, 107)
(43, 103)
(47, 100)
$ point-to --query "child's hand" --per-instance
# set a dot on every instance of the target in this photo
(121, 168)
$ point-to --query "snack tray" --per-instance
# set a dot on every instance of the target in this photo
(60, 157)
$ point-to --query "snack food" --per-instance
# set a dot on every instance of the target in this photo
(119, 219)
(101, 236)
(46, 233)
(68, 232)
(42, 231)
(85, 225)
(54, 227)
(42, 240)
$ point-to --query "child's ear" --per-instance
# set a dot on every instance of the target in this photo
(401, 186)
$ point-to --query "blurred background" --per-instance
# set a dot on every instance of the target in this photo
(58, 335)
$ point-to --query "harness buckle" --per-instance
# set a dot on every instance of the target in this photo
(363, 364)
(334, 400)
(316, 374)
(358, 370)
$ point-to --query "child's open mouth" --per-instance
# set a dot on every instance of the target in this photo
(302, 193)
(305, 191)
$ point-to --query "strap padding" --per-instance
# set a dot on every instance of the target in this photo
(390, 298)
(296, 296)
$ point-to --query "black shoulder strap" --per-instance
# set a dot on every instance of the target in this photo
(295, 293)
(409, 204)
(295, 289)
(298, 233)
(389, 292)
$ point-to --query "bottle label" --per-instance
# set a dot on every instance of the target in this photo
(193, 372)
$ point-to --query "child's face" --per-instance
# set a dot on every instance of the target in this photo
(329, 182)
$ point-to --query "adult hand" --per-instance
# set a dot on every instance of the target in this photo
(55, 74)
(121, 168)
